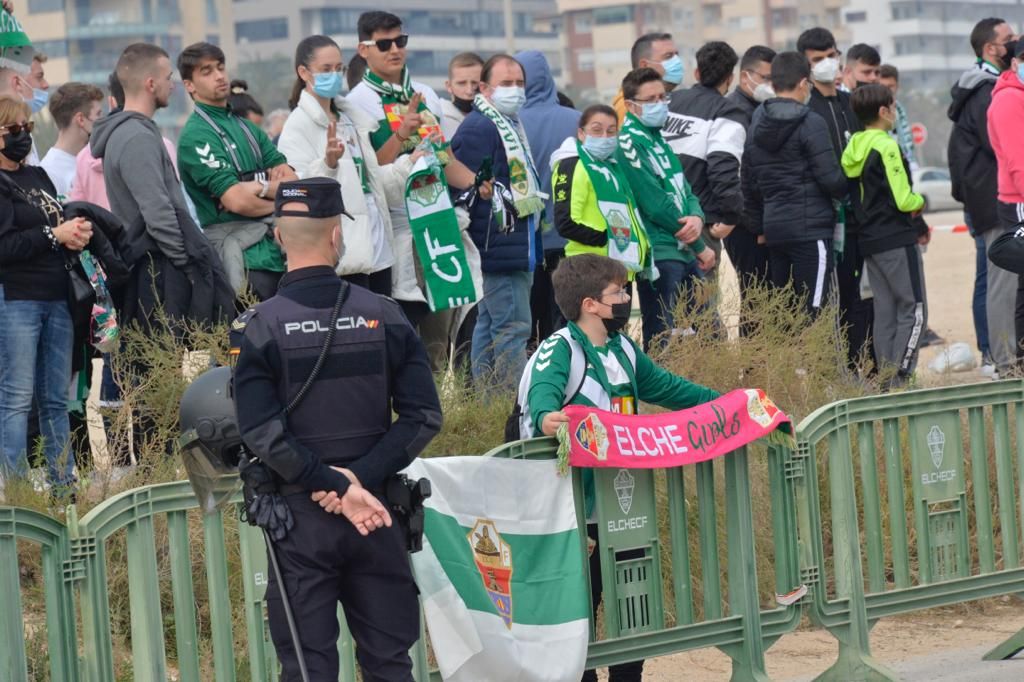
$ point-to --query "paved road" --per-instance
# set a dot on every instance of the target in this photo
(961, 665)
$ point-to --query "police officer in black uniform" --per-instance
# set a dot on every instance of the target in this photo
(333, 452)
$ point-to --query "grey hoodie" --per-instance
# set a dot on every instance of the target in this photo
(141, 180)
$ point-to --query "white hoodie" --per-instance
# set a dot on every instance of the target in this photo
(368, 239)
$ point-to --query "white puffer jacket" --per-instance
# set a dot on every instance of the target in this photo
(304, 142)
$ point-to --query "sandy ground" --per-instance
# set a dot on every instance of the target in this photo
(949, 268)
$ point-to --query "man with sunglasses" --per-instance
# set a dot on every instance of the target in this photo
(408, 113)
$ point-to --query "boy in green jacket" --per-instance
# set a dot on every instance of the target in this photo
(891, 231)
(670, 210)
(617, 375)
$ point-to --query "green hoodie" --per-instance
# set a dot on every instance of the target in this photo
(885, 201)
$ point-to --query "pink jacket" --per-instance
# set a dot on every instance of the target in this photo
(1005, 115)
(88, 184)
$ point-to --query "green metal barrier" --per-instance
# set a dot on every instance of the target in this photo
(158, 527)
(897, 462)
(628, 525)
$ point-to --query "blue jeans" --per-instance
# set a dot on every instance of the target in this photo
(978, 307)
(658, 299)
(35, 351)
(502, 328)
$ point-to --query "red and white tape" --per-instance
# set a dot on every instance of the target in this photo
(949, 228)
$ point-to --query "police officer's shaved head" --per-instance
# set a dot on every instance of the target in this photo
(308, 220)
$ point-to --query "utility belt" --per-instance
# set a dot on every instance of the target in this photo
(265, 506)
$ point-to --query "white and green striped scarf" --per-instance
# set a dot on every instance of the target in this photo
(523, 182)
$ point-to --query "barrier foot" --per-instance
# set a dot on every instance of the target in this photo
(856, 666)
(1008, 649)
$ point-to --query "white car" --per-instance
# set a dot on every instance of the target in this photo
(932, 182)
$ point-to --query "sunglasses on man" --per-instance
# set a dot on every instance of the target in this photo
(384, 44)
(16, 128)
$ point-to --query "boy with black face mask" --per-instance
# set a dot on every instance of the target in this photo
(591, 292)
(462, 85)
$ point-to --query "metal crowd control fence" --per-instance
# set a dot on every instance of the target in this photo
(153, 533)
(950, 448)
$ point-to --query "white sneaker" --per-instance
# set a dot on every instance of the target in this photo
(989, 370)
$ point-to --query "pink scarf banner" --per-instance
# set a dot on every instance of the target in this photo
(598, 438)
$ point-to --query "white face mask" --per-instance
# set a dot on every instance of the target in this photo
(826, 70)
(763, 92)
(508, 99)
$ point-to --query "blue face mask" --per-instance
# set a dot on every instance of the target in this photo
(601, 148)
(654, 114)
(673, 70)
(39, 99)
(327, 85)
(1020, 72)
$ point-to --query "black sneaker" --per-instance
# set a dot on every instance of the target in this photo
(930, 338)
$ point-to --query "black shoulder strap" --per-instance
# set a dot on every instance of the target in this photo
(254, 146)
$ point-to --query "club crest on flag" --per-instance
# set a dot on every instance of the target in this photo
(493, 558)
(425, 190)
(760, 407)
(593, 437)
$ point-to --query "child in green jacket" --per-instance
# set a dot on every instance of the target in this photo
(590, 291)
(891, 231)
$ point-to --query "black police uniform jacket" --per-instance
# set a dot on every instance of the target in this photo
(376, 365)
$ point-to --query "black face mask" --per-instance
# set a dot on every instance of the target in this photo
(860, 84)
(1006, 59)
(17, 147)
(619, 318)
(463, 105)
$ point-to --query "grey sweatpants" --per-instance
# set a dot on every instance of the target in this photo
(901, 309)
(1000, 306)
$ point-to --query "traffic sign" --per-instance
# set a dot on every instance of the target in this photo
(920, 133)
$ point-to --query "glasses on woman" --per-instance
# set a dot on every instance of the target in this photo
(384, 44)
(16, 128)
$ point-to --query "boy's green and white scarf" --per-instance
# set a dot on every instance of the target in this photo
(15, 47)
(522, 179)
(615, 203)
(393, 98)
(639, 144)
(435, 232)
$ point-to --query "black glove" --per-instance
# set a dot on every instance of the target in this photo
(271, 513)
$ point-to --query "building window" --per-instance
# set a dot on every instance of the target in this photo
(623, 14)
(856, 17)
(264, 29)
(585, 60)
(40, 6)
(335, 21)
(52, 48)
(581, 22)
(712, 15)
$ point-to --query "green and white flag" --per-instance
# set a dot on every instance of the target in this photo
(501, 574)
(438, 240)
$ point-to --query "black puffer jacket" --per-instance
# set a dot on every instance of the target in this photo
(972, 163)
(790, 174)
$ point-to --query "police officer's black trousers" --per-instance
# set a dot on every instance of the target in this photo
(324, 561)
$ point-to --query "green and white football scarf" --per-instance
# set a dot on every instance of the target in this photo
(636, 140)
(438, 240)
(522, 178)
(394, 100)
(614, 202)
